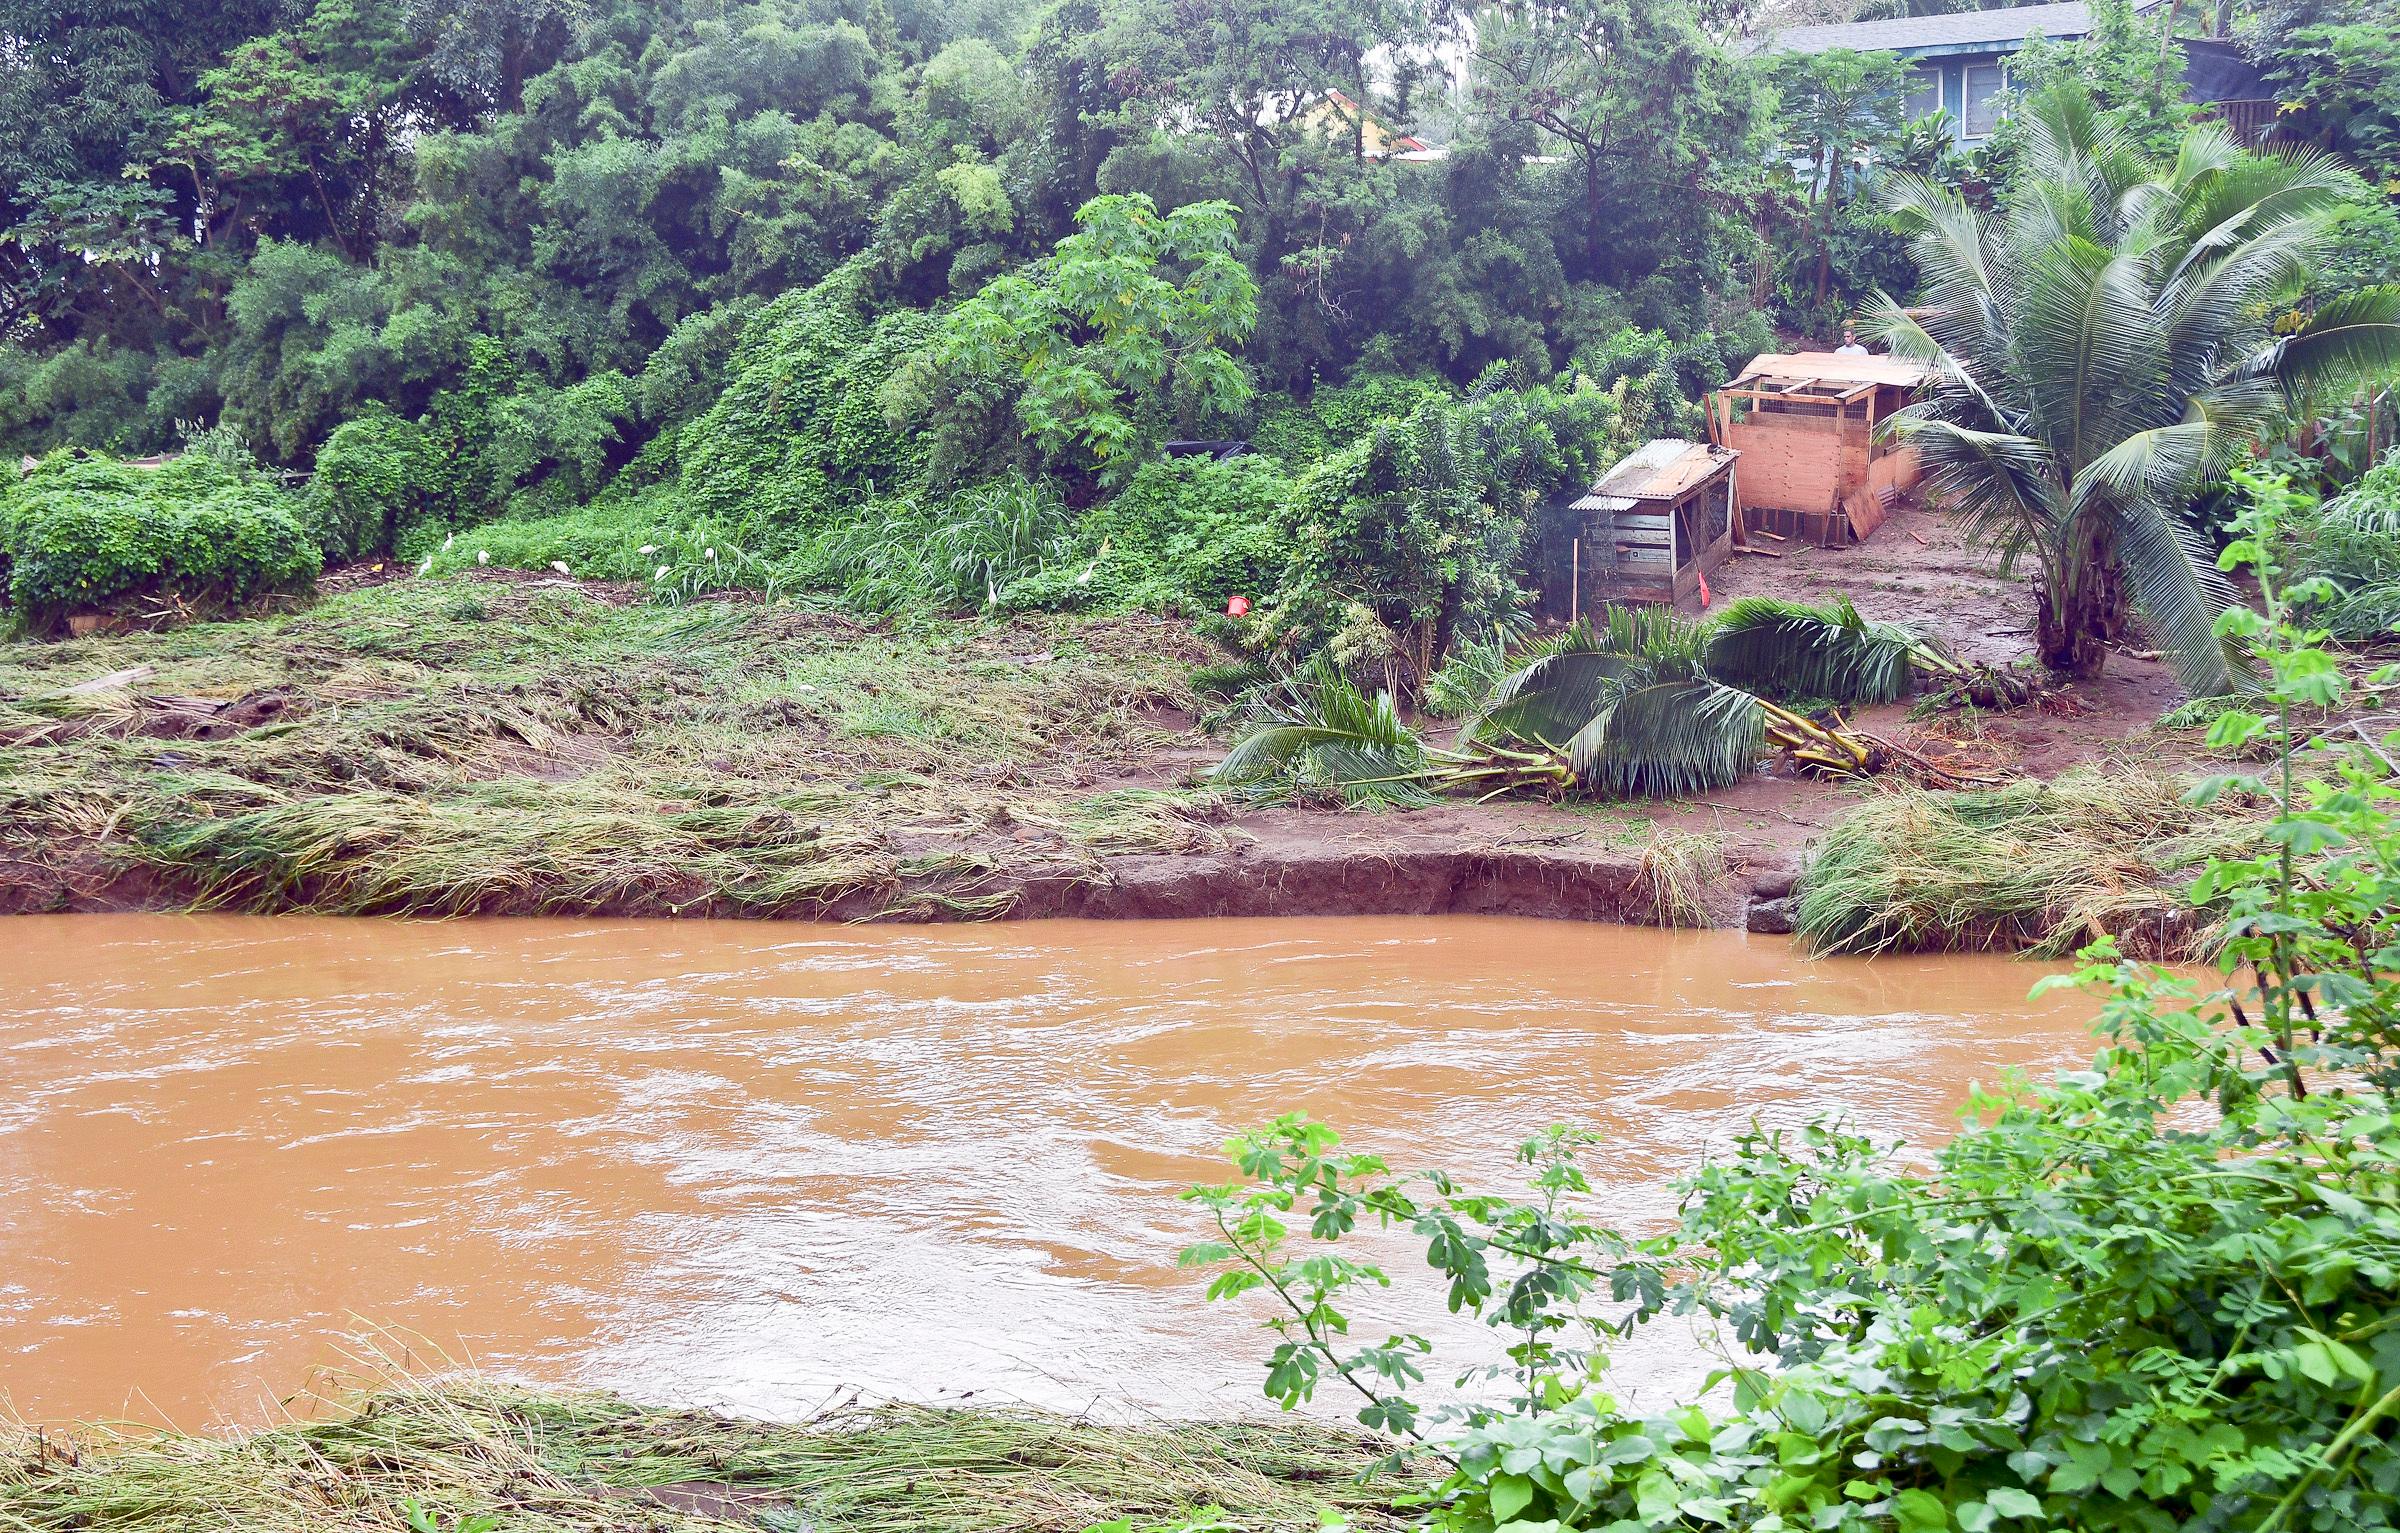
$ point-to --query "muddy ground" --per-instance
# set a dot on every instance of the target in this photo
(511, 743)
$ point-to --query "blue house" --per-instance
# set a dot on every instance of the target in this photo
(1960, 62)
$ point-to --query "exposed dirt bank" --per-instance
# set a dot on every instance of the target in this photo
(517, 744)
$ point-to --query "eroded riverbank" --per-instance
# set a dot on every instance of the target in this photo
(518, 745)
(748, 1164)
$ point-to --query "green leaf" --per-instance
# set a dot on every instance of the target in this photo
(1920, 1511)
(1510, 1494)
(2009, 1501)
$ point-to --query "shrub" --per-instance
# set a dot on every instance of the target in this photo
(1187, 533)
(1413, 535)
(86, 394)
(2352, 545)
(80, 532)
(962, 554)
(798, 438)
(1077, 363)
(1301, 432)
(370, 486)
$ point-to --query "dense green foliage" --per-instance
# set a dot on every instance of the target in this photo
(2349, 548)
(80, 533)
(373, 483)
(1117, 334)
(901, 301)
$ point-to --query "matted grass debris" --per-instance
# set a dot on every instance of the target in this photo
(2042, 866)
(536, 1462)
(445, 747)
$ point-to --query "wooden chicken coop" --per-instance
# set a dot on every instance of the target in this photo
(1813, 465)
(1655, 525)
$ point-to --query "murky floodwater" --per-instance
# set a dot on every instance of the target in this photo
(745, 1164)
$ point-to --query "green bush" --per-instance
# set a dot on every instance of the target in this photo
(1187, 533)
(1413, 536)
(2352, 545)
(798, 440)
(977, 549)
(80, 532)
(371, 485)
(85, 394)
(1302, 432)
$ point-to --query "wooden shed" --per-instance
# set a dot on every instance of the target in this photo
(1805, 425)
(1655, 525)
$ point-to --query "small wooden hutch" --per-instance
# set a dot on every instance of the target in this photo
(1655, 525)
(1813, 466)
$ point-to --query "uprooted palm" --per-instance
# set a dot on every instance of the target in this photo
(2103, 346)
(1639, 702)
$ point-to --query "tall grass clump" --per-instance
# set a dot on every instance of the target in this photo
(2042, 866)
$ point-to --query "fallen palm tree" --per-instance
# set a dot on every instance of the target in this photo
(1640, 703)
(1794, 649)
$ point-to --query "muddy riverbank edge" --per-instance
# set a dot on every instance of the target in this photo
(438, 1455)
(1278, 874)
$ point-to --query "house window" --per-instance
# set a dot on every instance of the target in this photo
(1981, 99)
(1924, 91)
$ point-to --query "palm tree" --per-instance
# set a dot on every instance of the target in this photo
(2102, 346)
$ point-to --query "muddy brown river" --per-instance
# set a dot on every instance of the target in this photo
(751, 1164)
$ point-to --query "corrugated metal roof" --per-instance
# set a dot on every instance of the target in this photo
(2002, 29)
(1834, 367)
(1656, 470)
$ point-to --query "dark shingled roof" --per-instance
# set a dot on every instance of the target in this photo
(1959, 30)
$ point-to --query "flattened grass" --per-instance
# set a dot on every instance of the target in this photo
(439, 747)
(540, 1462)
(2042, 866)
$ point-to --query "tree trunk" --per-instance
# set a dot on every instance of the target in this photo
(1595, 245)
(2083, 605)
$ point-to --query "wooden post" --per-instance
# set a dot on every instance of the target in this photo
(1575, 585)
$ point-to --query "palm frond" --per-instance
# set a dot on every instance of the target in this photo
(1553, 697)
(2086, 327)
(1905, 336)
(1793, 649)
(2177, 588)
(2249, 192)
(2351, 336)
(1578, 674)
(2003, 484)
(1332, 739)
(1670, 738)
(1627, 699)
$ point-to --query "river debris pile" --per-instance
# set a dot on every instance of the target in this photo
(441, 1456)
(2043, 866)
